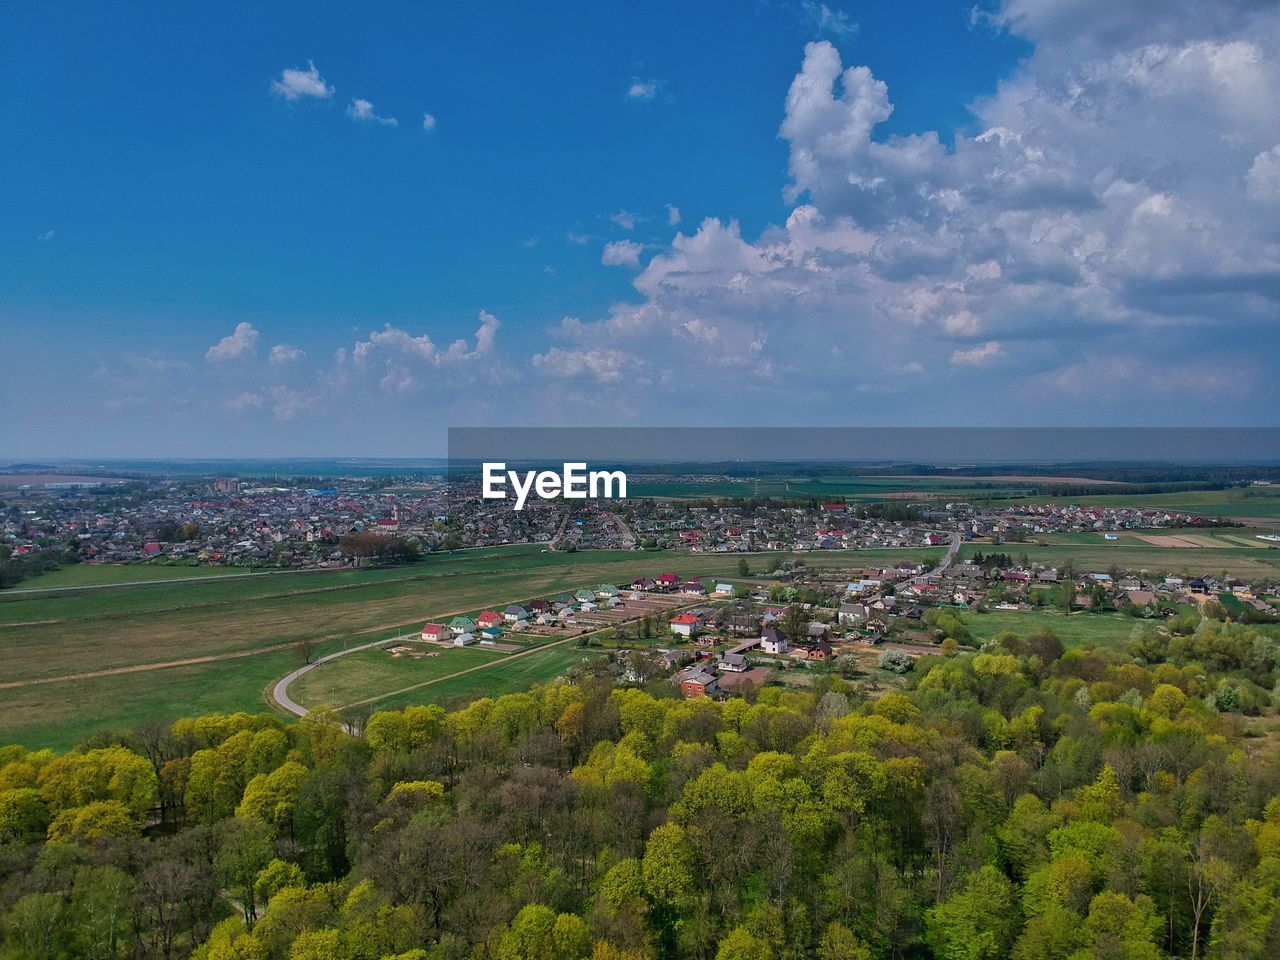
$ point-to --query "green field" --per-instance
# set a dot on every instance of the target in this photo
(510, 676)
(367, 672)
(99, 574)
(1090, 552)
(828, 487)
(256, 620)
(1235, 502)
(1104, 629)
(60, 715)
(62, 635)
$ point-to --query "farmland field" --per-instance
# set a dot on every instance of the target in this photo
(60, 715)
(1089, 551)
(830, 487)
(99, 574)
(256, 619)
(1235, 502)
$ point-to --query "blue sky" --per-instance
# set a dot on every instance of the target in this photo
(628, 214)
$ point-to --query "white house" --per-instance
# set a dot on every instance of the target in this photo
(685, 625)
(773, 640)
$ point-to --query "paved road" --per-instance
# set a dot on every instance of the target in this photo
(280, 692)
(950, 555)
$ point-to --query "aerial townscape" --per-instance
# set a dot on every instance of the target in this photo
(768, 480)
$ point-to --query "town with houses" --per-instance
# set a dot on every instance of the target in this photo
(715, 638)
(708, 637)
(230, 522)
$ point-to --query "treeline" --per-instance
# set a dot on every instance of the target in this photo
(890, 510)
(1022, 801)
(370, 545)
(15, 569)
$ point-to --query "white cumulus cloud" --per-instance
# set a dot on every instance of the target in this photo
(603, 365)
(621, 253)
(362, 110)
(1117, 197)
(404, 359)
(295, 84)
(283, 353)
(242, 342)
(643, 89)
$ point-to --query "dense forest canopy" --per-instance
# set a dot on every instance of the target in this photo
(1022, 801)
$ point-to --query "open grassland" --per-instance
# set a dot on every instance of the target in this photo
(246, 628)
(1226, 538)
(60, 715)
(1102, 629)
(106, 574)
(509, 676)
(1090, 552)
(369, 672)
(1235, 502)
(256, 620)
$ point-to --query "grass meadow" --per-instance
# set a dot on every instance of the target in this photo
(252, 624)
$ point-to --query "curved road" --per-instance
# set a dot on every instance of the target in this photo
(280, 692)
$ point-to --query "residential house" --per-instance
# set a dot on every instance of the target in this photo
(685, 625)
(734, 662)
(851, 614)
(697, 681)
(814, 650)
(773, 640)
(435, 632)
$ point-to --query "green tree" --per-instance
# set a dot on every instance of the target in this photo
(742, 944)
(978, 922)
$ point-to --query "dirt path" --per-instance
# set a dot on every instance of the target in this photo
(142, 667)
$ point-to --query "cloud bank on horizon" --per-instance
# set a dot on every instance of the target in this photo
(1117, 214)
(1102, 246)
